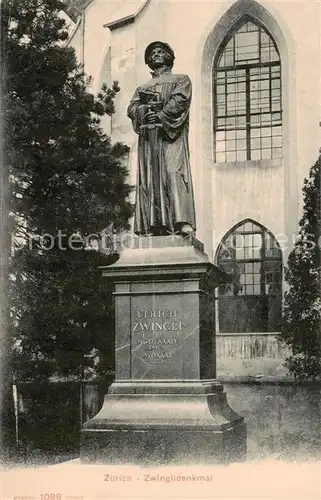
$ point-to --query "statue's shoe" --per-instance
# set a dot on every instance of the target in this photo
(187, 230)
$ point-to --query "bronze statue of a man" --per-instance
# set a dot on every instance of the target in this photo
(159, 111)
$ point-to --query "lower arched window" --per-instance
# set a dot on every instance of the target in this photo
(252, 299)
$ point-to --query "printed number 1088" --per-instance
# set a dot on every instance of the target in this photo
(50, 496)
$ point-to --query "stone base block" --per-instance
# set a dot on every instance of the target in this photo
(165, 446)
(164, 429)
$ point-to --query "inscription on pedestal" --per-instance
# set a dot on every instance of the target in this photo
(157, 349)
(160, 337)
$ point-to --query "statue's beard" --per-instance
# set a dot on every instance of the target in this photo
(157, 64)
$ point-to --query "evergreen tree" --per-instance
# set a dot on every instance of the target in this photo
(67, 181)
(302, 308)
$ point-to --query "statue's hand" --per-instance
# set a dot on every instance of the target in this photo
(156, 105)
(151, 117)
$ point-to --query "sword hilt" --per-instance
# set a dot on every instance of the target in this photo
(151, 126)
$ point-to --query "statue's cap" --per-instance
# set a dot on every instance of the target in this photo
(164, 45)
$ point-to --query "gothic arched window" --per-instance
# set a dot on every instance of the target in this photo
(251, 301)
(247, 96)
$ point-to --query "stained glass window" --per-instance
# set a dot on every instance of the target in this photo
(247, 97)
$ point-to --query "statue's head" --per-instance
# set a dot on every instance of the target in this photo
(159, 54)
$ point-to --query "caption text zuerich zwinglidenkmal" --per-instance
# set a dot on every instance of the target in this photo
(160, 478)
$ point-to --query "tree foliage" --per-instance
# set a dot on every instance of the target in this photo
(302, 308)
(66, 178)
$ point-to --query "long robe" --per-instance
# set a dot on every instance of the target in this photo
(164, 190)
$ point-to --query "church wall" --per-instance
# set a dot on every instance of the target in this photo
(75, 40)
(92, 40)
(308, 88)
(271, 195)
(123, 70)
(97, 39)
(225, 194)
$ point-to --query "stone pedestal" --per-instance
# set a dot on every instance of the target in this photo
(165, 405)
